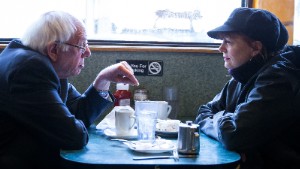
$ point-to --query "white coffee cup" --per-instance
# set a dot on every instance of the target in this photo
(124, 121)
(162, 108)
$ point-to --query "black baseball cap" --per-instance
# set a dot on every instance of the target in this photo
(258, 24)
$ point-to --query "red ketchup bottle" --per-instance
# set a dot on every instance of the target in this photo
(122, 95)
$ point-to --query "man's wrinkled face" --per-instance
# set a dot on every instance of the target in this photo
(71, 62)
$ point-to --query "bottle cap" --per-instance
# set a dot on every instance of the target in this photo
(122, 86)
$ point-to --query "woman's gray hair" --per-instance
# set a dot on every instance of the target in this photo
(53, 26)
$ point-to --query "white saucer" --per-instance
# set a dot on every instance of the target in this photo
(112, 133)
(159, 146)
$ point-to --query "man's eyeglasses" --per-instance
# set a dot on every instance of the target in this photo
(82, 48)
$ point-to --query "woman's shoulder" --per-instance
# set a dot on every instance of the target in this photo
(292, 53)
(283, 68)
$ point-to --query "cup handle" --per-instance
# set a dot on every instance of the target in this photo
(169, 109)
(133, 117)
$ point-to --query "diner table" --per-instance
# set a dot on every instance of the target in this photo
(102, 152)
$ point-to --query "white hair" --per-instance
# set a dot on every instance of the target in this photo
(53, 26)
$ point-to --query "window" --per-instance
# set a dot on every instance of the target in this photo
(118, 21)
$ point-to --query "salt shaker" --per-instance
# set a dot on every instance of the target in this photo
(140, 95)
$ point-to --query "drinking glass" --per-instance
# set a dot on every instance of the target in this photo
(146, 125)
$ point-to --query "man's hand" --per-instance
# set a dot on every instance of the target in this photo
(118, 73)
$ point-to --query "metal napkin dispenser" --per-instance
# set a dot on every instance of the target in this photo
(188, 138)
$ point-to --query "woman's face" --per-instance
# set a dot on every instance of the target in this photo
(236, 49)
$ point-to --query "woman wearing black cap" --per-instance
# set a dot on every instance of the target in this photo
(257, 113)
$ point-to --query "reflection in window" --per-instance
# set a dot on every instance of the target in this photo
(130, 20)
(158, 20)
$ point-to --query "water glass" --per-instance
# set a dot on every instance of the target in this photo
(146, 125)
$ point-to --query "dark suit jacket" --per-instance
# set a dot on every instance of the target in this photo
(40, 113)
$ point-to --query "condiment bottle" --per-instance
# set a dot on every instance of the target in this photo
(122, 95)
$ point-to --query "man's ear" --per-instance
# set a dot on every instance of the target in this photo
(257, 47)
(52, 51)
